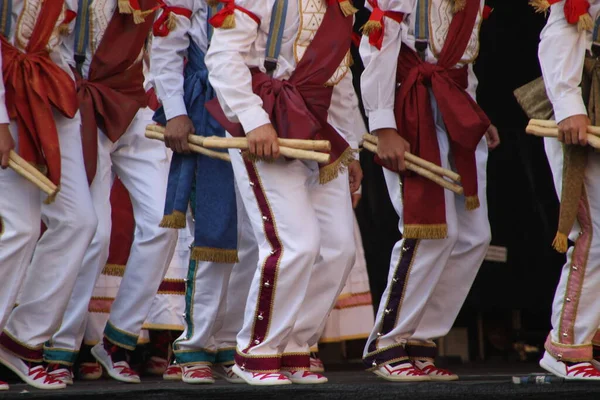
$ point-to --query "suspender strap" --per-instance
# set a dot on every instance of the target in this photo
(276, 29)
(82, 32)
(212, 10)
(5, 17)
(422, 27)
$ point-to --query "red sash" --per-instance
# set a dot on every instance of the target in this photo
(466, 123)
(34, 86)
(114, 90)
(123, 224)
(298, 107)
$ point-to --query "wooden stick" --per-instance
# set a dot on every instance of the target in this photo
(423, 172)
(436, 169)
(311, 145)
(242, 143)
(537, 130)
(594, 130)
(195, 148)
(33, 175)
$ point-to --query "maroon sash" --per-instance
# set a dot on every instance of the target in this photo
(114, 90)
(298, 107)
(34, 86)
(466, 123)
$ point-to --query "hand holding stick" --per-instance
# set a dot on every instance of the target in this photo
(436, 169)
(33, 175)
(544, 128)
(195, 148)
(422, 171)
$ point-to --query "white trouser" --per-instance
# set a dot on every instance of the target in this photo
(333, 207)
(215, 315)
(289, 211)
(429, 280)
(142, 166)
(58, 255)
(576, 306)
(352, 317)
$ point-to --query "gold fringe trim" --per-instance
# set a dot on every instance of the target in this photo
(228, 22)
(125, 7)
(370, 27)
(436, 231)
(472, 203)
(332, 171)
(540, 6)
(171, 22)
(459, 5)
(176, 220)
(560, 242)
(347, 8)
(139, 16)
(585, 23)
(212, 254)
(114, 270)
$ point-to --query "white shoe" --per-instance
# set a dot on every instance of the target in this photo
(173, 373)
(305, 377)
(261, 378)
(435, 373)
(156, 366)
(3, 386)
(35, 376)
(90, 371)
(405, 372)
(197, 374)
(225, 372)
(120, 371)
(316, 365)
(584, 371)
(62, 374)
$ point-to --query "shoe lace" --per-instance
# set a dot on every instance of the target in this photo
(89, 368)
(262, 376)
(38, 372)
(199, 372)
(432, 369)
(409, 370)
(125, 370)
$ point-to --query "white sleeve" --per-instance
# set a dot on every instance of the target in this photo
(562, 53)
(379, 77)
(228, 73)
(3, 113)
(166, 60)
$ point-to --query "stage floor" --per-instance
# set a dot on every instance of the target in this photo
(477, 382)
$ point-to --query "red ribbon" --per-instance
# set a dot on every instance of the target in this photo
(487, 11)
(574, 9)
(378, 15)
(161, 26)
(227, 10)
(69, 16)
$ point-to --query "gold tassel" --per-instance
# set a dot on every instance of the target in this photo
(540, 6)
(113, 270)
(472, 203)
(176, 220)
(139, 16)
(370, 27)
(213, 3)
(211, 254)
(332, 171)
(347, 8)
(438, 231)
(459, 5)
(585, 23)
(171, 22)
(229, 22)
(125, 7)
(63, 29)
(560, 242)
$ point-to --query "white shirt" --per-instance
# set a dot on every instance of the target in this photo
(168, 52)
(233, 51)
(562, 54)
(379, 76)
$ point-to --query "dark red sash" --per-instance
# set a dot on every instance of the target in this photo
(298, 107)
(466, 123)
(114, 90)
(34, 86)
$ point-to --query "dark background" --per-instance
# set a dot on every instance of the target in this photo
(510, 302)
